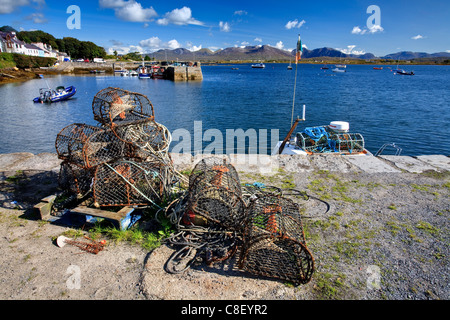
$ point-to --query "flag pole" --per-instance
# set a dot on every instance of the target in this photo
(297, 56)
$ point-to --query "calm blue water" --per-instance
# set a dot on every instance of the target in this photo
(412, 111)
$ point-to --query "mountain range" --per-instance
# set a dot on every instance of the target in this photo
(266, 52)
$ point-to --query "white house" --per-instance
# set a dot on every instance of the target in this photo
(10, 43)
(48, 51)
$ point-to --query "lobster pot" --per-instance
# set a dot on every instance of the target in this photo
(88, 146)
(278, 257)
(149, 136)
(347, 142)
(214, 172)
(274, 243)
(125, 183)
(217, 205)
(274, 215)
(75, 179)
(115, 106)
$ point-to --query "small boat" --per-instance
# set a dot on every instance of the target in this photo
(334, 138)
(289, 67)
(133, 73)
(403, 72)
(325, 67)
(234, 68)
(158, 72)
(338, 70)
(378, 68)
(258, 65)
(126, 73)
(144, 72)
(60, 94)
(341, 66)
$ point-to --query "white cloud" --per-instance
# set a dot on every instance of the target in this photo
(357, 30)
(125, 49)
(240, 12)
(151, 43)
(154, 44)
(258, 40)
(224, 26)
(37, 17)
(417, 37)
(134, 12)
(8, 6)
(112, 4)
(173, 44)
(279, 45)
(129, 10)
(448, 51)
(181, 16)
(374, 29)
(294, 24)
(350, 50)
(190, 46)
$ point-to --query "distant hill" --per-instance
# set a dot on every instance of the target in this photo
(267, 52)
(408, 55)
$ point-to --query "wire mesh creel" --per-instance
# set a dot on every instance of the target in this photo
(274, 243)
(88, 146)
(115, 106)
(215, 194)
(125, 183)
(75, 179)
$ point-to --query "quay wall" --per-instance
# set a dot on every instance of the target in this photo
(184, 73)
(265, 164)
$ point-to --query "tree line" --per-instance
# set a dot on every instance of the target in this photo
(73, 47)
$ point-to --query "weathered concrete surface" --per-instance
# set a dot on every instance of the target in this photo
(28, 161)
(439, 161)
(409, 164)
(370, 164)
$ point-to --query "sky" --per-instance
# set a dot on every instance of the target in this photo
(357, 26)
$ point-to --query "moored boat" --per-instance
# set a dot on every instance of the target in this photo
(334, 138)
(59, 94)
(403, 72)
(338, 70)
(378, 68)
(258, 65)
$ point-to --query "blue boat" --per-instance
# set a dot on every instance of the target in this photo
(60, 94)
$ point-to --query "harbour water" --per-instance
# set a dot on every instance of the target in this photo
(411, 111)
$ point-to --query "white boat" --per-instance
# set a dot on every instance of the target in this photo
(289, 67)
(125, 73)
(341, 66)
(334, 138)
(133, 73)
(259, 65)
(338, 70)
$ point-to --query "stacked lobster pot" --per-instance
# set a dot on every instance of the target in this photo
(123, 161)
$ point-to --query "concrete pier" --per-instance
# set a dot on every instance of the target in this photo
(265, 164)
(184, 73)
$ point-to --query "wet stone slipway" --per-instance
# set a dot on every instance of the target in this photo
(385, 235)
